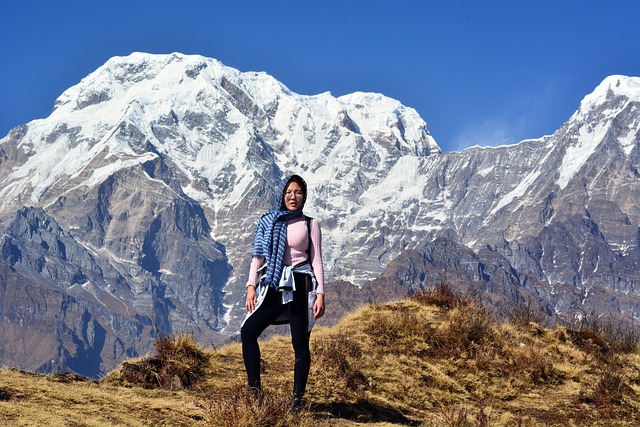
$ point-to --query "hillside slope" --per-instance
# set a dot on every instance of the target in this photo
(434, 359)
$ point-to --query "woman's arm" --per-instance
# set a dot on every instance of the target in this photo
(318, 268)
(252, 296)
(256, 263)
(316, 255)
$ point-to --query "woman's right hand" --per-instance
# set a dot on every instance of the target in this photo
(252, 298)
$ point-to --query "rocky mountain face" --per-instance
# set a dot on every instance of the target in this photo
(129, 212)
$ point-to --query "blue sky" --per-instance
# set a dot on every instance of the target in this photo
(478, 72)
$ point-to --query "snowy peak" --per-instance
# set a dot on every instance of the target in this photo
(209, 117)
(144, 80)
(615, 102)
(158, 85)
(610, 97)
(397, 120)
(616, 85)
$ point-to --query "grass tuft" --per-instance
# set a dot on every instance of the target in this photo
(240, 407)
(442, 296)
(339, 355)
(178, 364)
(524, 312)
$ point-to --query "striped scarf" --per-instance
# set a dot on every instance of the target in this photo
(271, 240)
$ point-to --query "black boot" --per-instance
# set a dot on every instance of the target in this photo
(297, 403)
(254, 392)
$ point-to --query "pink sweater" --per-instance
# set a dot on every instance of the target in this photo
(296, 250)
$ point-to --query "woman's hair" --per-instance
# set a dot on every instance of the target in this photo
(298, 180)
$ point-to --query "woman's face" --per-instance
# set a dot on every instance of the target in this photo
(293, 196)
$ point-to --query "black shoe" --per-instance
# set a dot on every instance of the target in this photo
(255, 394)
(297, 404)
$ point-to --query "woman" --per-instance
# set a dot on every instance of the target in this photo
(285, 285)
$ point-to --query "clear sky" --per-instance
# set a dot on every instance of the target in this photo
(479, 72)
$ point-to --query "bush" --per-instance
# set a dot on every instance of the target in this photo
(178, 364)
(523, 313)
(468, 327)
(442, 296)
(619, 334)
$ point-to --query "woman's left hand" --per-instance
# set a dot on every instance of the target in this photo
(252, 299)
(318, 307)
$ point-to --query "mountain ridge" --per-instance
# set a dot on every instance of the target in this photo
(143, 188)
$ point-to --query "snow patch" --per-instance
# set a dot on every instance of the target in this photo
(577, 155)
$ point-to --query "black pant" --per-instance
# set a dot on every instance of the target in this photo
(264, 316)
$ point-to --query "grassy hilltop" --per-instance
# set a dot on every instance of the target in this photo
(436, 359)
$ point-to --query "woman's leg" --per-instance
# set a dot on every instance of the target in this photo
(253, 327)
(299, 321)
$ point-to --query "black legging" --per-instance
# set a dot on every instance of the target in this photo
(264, 316)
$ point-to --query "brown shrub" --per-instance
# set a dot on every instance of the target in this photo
(467, 327)
(589, 341)
(540, 369)
(68, 377)
(178, 364)
(620, 334)
(610, 387)
(442, 296)
(525, 312)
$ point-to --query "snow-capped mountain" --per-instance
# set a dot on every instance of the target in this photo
(130, 210)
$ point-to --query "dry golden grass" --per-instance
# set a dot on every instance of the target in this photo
(433, 360)
(42, 400)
